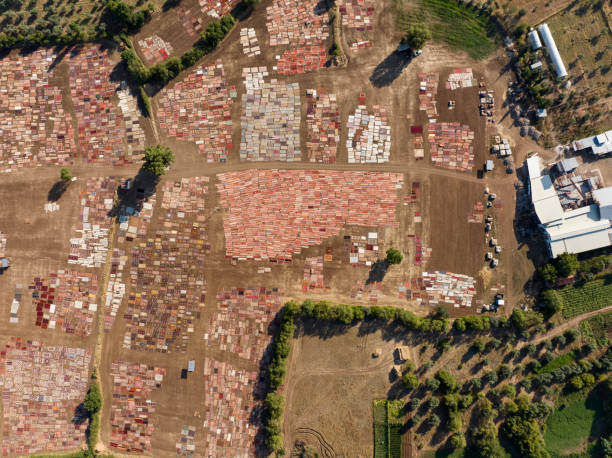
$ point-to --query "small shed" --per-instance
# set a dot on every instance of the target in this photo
(534, 39)
(537, 64)
(541, 113)
(567, 165)
(191, 366)
(489, 165)
(403, 353)
(4, 263)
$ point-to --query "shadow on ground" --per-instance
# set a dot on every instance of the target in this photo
(389, 69)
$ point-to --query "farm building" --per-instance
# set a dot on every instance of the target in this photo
(567, 165)
(575, 231)
(534, 39)
(549, 41)
(599, 144)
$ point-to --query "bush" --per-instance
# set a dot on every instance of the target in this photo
(551, 300)
(157, 159)
(479, 345)
(433, 402)
(548, 273)
(509, 391)
(394, 256)
(146, 103)
(504, 371)
(432, 384)
(433, 420)
(457, 441)
(135, 67)
(567, 263)
(522, 320)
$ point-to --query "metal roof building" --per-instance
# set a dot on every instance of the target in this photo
(583, 229)
(549, 41)
(599, 144)
(534, 39)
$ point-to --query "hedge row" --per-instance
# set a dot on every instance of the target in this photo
(165, 71)
(325, 311)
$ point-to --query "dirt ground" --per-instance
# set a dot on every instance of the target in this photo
(330, 369)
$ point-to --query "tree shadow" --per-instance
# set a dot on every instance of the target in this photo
(56, 191)
(390, 69)
(142, 187)
(378, 271)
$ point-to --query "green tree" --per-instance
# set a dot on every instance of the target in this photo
(65, 175)
(274, 405)
(93, 399)
(157, 159)
(394, 256)
(448, 383)
(567, 263)
(458, 441)
(433, 402)
(416, 36)
(433, 420)
(548, 273)
(410, 381)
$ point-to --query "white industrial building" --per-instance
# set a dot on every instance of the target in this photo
(549, 41)
(599, 144)
(574, 231)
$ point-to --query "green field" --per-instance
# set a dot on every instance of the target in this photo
(457, 24)
(568, 428)
(387, 425)
(556, 363)
(592, 295)
(597, 329)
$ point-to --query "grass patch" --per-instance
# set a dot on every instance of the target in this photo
(590, 296)
(457, 24)
(571, 424)
(556, 363)
(597, 329)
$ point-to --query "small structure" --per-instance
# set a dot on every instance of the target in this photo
(4, 264)
(534, 39)
(377, 353)
(489, 165)
(549, 41)
(599, 144)
(191, 366)
(494, 262)
(537, 64)
(567, 165)
(603, 197)
(403, 353)
(541, 113)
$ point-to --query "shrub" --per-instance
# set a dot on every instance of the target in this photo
(548, 273)
(432, 384)
(146, 103)
(509, 391)
(433, 420)
(551, 300)
(567, 263)
(522, 320)
(504, 371)
(479, 345)
(457, 441)
(433, 402)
